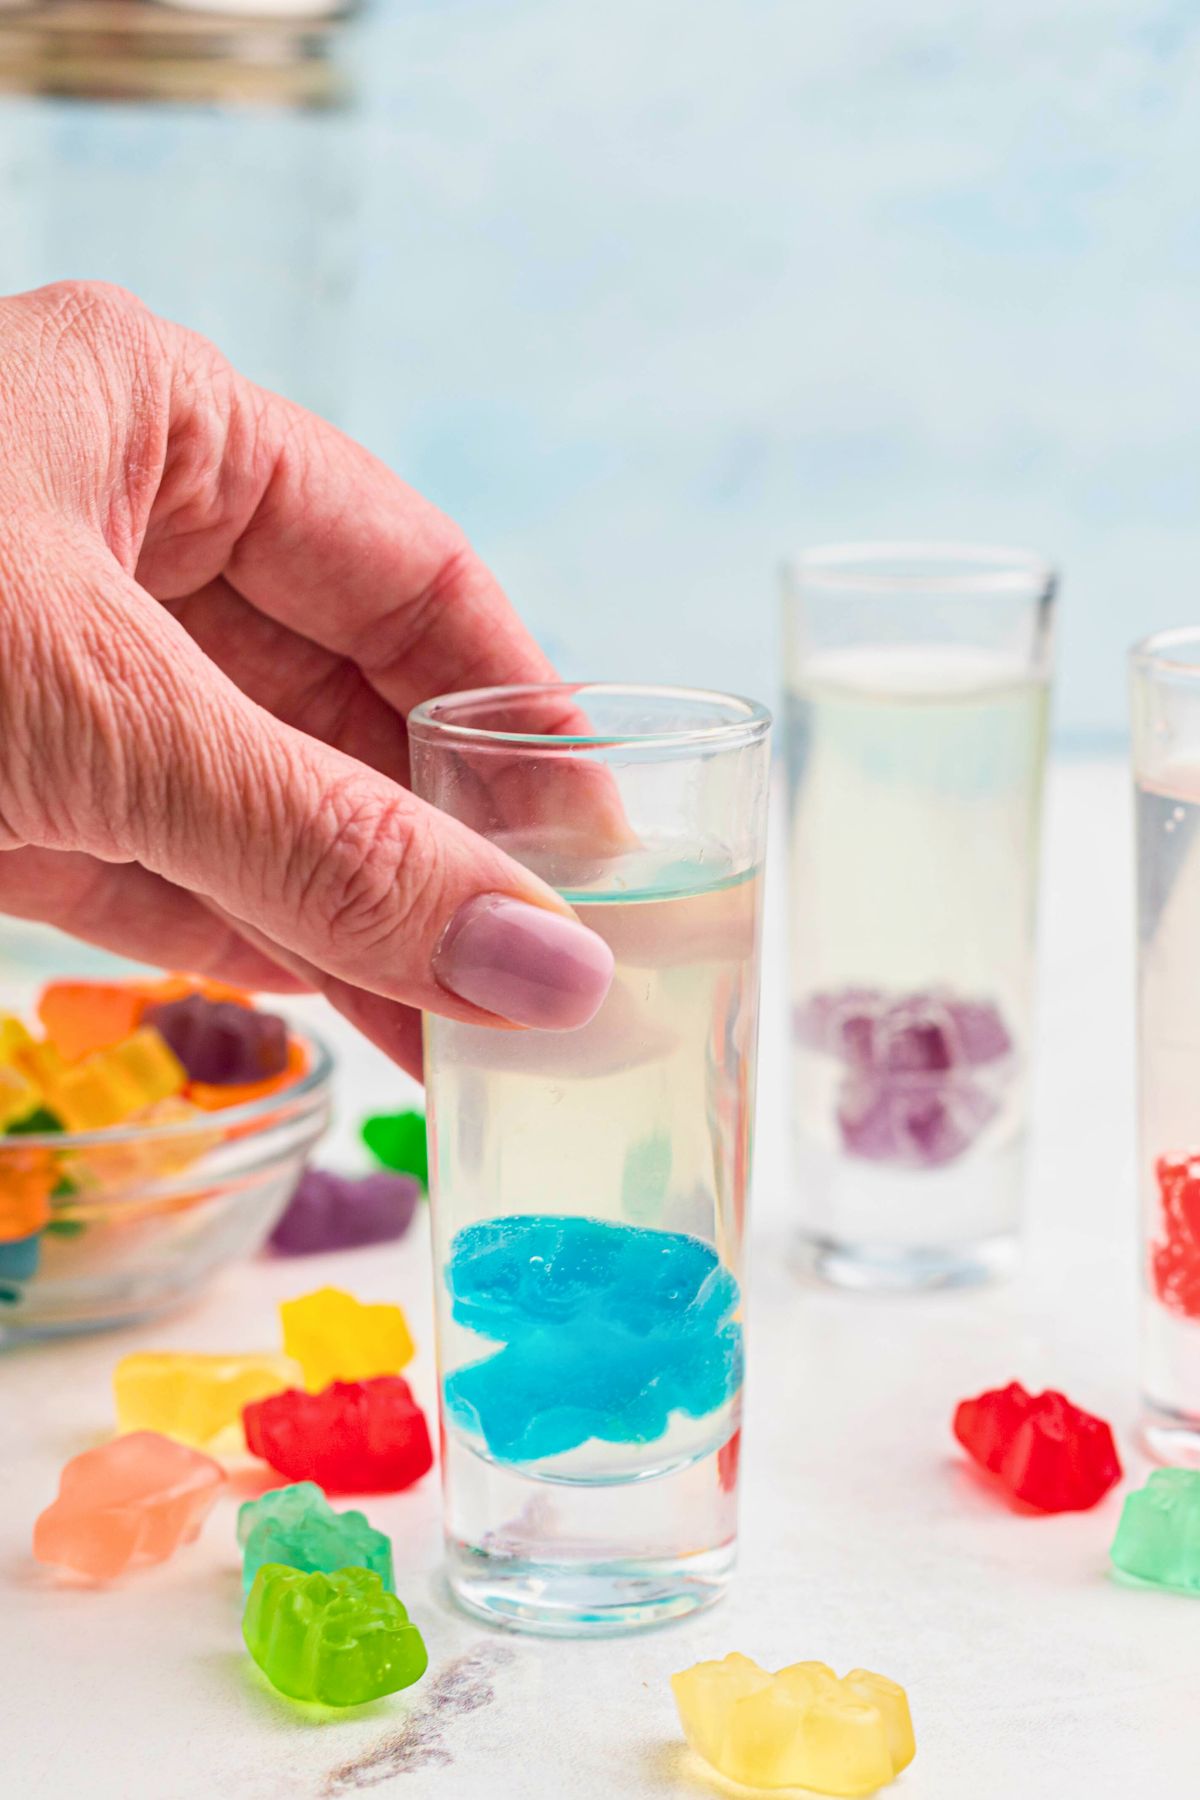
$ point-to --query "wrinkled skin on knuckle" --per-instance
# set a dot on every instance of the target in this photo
(367, 879)
(220, 460)
(82, 385)
(62, 749)
(137, 427)
(97, 719)
(284, 489)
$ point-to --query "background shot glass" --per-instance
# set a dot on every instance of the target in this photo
(1165, 671)
(917, 698)
(589, 1187)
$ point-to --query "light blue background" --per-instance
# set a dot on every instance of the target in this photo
(648, 293)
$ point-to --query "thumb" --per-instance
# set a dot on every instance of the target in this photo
(153, 754)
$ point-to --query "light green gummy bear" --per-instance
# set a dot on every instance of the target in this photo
(338, 1639)
(297, 1526)
(399, 1142)
(276, 1503)
(646, 1178)
(1158, 1537)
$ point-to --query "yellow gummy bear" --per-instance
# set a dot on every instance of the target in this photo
(193, 1397)
(112, 1085)
(149, 1155)
(334, 1337)
(40, 1061)
(13, 1037)
(800, 1727)
(18, 1095)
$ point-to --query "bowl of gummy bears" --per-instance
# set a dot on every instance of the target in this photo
(150, 1133)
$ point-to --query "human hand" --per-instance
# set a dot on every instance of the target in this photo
(215, 612)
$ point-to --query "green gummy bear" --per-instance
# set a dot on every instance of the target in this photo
(646, 1178)
(337, 1639)
(39, 1122)
(398, 1141)
(296, 1526)
(1158, 1537)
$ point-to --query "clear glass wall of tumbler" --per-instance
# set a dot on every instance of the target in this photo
(589, 1187)
(918, 680)
(1166, 767)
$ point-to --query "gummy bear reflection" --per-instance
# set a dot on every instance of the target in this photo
(609, 1332)
(921, 1075)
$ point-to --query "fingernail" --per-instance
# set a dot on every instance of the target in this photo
(528, 965)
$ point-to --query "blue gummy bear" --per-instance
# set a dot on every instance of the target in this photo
(19, 1257)
(607, 1330)
(297, 1526)
(284, 1504)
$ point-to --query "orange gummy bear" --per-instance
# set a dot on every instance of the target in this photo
(178, 987)
(112, 1085)
(26, 1178)
(80, 1017)
(216, 1099)
(131, 1502)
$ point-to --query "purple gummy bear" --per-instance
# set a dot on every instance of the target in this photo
(344, 1212)
(842, 1024)
(937, 1127)
(981, 1031)
(864, 1117)
(219, 1043)
(917, 1037)
(854, 1032)
(907, 1095)
(920, 1124)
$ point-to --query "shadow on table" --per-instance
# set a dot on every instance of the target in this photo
(676, 1769)
(238, 1673)
(980, 1489)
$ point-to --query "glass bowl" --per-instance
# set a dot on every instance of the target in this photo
(142, 1215)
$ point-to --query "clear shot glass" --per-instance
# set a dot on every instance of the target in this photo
(589, 1187)
(918, 680)
(1165, 677)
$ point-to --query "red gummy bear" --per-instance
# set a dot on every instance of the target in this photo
(356, 1437)
(1046, 1452)
(1175, 1263)
(728, 1458)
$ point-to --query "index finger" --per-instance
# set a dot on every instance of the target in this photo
(321, 536)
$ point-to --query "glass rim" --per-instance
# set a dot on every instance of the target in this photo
(982, 569)
(751, 723)
(1154, 652)
(269, 1109)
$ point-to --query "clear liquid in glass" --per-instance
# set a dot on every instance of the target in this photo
(615, 1477)
(1168, 829)
(915, 785)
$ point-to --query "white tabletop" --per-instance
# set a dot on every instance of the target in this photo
(865, 1541)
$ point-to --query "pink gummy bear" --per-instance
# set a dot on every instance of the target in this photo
(126, 1504)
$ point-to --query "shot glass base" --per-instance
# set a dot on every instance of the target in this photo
(578, 1599)
(873, 1228)
(906, 1268)
(1170, 1438)
(587, 1558)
